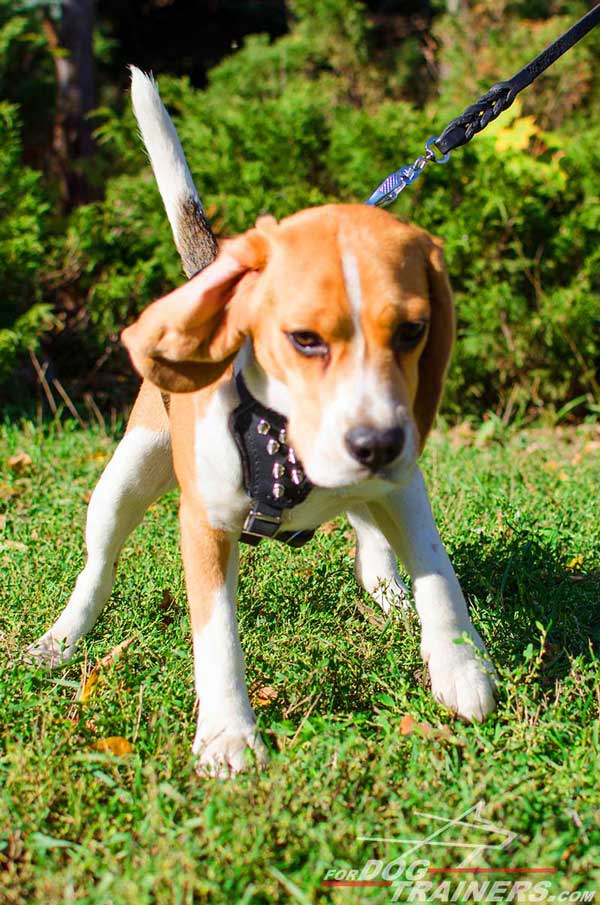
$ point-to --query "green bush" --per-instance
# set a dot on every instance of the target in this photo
(322, 115)
(23, 208)
(26, 67)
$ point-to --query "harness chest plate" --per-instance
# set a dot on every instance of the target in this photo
(273, 476)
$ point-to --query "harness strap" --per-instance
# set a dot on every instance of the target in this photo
(273, 476)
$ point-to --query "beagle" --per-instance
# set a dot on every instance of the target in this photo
(296, 376)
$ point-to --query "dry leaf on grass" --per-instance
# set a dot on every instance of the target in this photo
(168, 608)
(115, 744)
(551, 465)
(12, 545)
(20, 462)
(263, 695)
(13, 852)
(373, 616)
(409, 726)
(88, 686)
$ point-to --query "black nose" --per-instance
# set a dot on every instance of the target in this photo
(374, 448)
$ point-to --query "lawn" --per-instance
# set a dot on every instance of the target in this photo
(358, 748)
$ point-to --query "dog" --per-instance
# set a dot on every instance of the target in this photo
(294, 377)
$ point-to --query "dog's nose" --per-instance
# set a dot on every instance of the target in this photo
(374, 448)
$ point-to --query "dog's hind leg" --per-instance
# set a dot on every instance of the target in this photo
(139, 472)
(375, 563)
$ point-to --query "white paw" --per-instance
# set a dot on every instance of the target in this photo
(49, 652)
(226, 749)
(462, 679)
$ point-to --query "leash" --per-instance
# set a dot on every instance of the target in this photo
(478, 115)
(273, 476)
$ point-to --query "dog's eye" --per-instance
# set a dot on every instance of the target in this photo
(408, 335)
(308, 343)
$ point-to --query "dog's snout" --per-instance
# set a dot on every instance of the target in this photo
(374, 448)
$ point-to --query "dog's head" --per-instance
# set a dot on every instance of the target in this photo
(350, 316)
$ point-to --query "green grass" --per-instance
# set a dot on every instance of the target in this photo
(519, 515)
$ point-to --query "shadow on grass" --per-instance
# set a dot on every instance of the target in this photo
(514, 585)
(520, 590)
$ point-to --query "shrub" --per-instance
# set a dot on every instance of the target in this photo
(23, 207)
(321, 115)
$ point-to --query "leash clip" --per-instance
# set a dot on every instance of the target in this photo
(393, 184)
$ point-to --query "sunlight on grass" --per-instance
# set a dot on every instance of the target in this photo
(357, 745)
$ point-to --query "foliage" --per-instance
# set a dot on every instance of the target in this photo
(23, 208)
(123, 251)
(335, 685)
(26, 68)
(322, 114)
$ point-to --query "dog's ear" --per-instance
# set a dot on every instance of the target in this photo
(435, 357)
(187, 339)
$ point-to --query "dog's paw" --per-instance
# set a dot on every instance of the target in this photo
(224, 750)
(48, 652)
(462, 679)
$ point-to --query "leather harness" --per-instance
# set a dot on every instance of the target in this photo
(273, 475)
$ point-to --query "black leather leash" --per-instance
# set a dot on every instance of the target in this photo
(273, 477)
(478, 115)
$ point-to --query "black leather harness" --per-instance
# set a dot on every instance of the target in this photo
(273, 476)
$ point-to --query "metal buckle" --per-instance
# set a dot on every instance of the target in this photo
(261, 525)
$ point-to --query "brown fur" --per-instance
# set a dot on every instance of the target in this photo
(187, 340)
(274, 279)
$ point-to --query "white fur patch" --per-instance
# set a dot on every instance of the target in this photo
(352, 284)
(218, 658)
(461, 677)
(218, 466)
(140, 471)
(226, 723)
(375, 564)
(359, 398)
(160, 137)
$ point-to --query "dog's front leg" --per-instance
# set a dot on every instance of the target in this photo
(226, 724)
(375, 562)
(461, 676)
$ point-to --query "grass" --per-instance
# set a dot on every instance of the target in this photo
(336, 688)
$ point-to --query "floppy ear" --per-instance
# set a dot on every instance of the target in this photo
(435, 357)
(187, 339)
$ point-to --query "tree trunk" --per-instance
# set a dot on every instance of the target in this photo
(71, 43)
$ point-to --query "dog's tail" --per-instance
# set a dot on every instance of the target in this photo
(193, 236)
